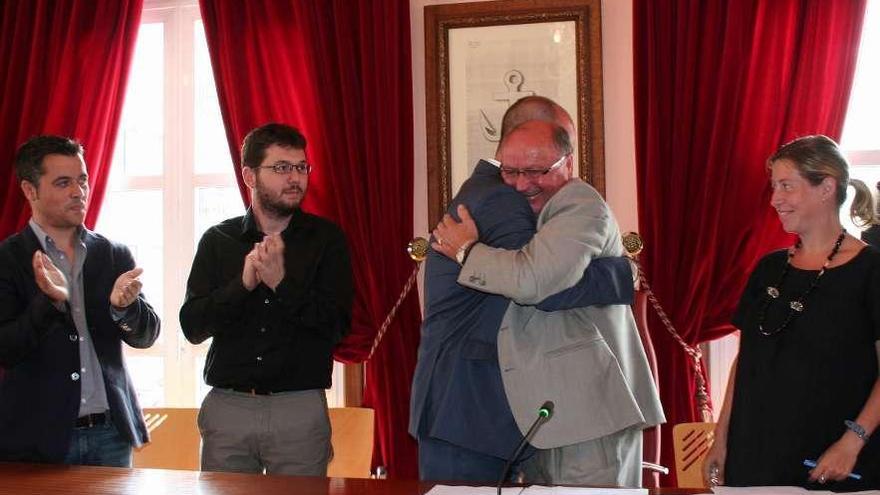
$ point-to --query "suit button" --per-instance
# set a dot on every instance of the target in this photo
(266, 301)
(74, 376)
(72, 337)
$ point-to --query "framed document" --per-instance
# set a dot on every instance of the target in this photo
(481, 57)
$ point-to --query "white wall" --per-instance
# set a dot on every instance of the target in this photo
(620, 174)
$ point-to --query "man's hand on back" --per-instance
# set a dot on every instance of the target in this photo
(450, 235)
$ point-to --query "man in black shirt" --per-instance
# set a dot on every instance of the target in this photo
(274, 290)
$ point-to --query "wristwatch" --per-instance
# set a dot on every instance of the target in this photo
(463, 251)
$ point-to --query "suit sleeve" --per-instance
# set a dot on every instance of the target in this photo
(510, 230)
(24, 320)
(554, 260)
(139, 323)
(606, 281)
(212, 305)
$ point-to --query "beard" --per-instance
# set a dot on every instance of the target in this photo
(276, 206)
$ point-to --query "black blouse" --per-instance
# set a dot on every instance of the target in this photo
(794, 389)
(270, 341)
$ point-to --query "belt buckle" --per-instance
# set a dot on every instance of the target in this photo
(87, 421)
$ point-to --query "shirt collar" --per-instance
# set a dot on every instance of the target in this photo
(251, 230)
(45, 239)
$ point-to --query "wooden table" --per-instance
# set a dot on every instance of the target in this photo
(40, 479)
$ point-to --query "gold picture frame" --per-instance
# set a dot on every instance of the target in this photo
(558, 40)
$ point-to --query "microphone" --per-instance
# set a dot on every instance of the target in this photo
(545, 412)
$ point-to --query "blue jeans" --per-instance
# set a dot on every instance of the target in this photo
(100, 445)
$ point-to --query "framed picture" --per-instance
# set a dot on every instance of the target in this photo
(481, 57)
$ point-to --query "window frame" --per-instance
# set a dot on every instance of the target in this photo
(178, 182)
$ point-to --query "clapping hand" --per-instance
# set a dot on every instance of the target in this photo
(126, 288)
(49, 278)
(249, 276)
(265, 263)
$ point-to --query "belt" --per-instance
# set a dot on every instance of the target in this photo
(91, 420)
(253, 391)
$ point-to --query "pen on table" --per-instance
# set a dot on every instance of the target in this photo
(811, 464)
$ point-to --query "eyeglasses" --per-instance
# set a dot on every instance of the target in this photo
(287, 168)
(531, 173)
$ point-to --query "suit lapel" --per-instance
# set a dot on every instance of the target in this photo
(29, 245)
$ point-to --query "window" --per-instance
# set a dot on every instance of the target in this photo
(860, 140)
(171, 179)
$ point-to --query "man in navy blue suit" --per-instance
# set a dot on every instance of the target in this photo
(459, 411)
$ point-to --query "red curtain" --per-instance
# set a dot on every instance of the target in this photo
(718, 87)
(63, 69)
(341, 71)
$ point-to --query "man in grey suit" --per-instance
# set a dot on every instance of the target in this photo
(588, 361)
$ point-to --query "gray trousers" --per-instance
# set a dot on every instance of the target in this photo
(612, 460)
(286, 433)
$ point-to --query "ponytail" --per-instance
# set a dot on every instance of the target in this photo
(862, 211)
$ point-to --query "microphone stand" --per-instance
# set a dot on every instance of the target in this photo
(544, 415)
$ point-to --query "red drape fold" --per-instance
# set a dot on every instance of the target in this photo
(341, 71)
(718, 87)
(64, 69)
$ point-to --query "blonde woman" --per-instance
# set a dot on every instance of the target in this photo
(804, 389)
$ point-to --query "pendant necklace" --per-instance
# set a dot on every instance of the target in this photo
(796, 306)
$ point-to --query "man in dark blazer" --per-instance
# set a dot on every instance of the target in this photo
(68, 299)
(459, 411)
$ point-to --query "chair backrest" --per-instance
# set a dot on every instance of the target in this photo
(174, 440)
(352, 441)
(650, 436)
(691, 442)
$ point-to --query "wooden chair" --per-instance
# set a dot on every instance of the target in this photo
(651, 468)
(691, 442)
(174, 440)
(650, 436)
(352, 441)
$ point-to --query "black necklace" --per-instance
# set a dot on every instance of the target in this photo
(796, 306)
